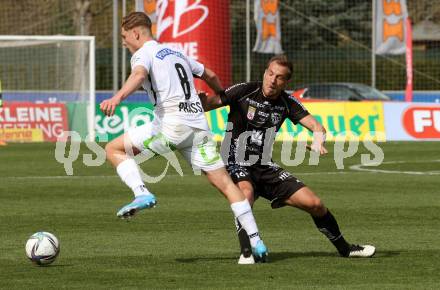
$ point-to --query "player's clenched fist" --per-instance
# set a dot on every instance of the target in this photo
(318, 143)
(108, 106)
(319, 148)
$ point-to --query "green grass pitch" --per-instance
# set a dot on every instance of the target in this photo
(188, 240)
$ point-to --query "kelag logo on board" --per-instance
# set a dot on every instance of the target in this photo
(422, 122)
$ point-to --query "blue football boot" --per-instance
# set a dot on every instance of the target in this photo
(139, 203)
(260, 252)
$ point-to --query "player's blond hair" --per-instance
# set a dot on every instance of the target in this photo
(136, 19)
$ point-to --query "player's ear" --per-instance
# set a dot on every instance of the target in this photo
(136, 33)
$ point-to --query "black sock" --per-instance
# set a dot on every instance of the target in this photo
(329, 227)
(243, 238)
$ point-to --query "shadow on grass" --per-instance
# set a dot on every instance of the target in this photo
(53, 266)
(387, 254)
(204, 259)
(280, 256)
(273, 257)
(293, 255)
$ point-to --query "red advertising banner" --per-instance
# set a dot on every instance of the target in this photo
(201, 29)
(52, 119)
(422, 122)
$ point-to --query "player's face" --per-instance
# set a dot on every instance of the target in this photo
(275, 80)
(129, 39)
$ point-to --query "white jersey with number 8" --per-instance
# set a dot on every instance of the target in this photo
(170, 84)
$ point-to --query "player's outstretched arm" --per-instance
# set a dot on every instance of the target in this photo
(318, 133)
(212, 80)
(210, 102)
(134, 81)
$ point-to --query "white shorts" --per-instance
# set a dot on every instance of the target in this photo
(195, 145)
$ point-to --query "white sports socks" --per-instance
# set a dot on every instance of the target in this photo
(128, 171)
(243, 212)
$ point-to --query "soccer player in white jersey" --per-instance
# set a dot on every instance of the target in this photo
(167, 75)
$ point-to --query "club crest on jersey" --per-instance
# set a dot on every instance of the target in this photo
(276, 118)
(251, 113)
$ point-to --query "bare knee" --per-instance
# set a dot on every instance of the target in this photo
(316, 207)
(108, 149)
(114, 153)
(223, 182)
(213, 178)
(219, 178)
(247, 190)
(249, 194)
(308, 201)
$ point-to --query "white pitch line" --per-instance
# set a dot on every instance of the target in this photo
(58, 177)
(358, 167)
(168, 175)
(323, 173)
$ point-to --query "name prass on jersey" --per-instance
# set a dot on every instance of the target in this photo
(190, 107)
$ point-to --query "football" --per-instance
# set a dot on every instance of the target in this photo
(42, 248)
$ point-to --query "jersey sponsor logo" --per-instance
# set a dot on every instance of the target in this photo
(422, 122)
(251, 113)
(263, 114)
(189, 107)
(276, 118)
(161, 54)
(255, 103)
